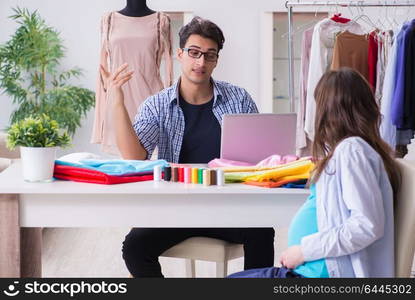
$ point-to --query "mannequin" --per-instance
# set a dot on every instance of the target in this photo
(140, 37)
(136, 8)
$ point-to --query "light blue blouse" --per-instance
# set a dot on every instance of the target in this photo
(354, 214)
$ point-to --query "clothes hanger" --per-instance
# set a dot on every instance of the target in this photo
(339, 19)
(394, 16)
(337, 16)
(379, 23)
(308, 24)
(391, 25)
(363, 17)
(408, 12)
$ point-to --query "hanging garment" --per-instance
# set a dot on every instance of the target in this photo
(320, 60)
(372, 58)
(141, 42)
(384, 46)
(303, 144)
(350, 50)
(399, 92)
(387, 128)
(401, 101)
(406, 129)
(408, 116)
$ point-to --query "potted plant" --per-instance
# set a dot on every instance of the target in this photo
(38, 138)
(29, 74)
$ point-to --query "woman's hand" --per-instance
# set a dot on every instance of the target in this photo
(292, 257)
(115, 81)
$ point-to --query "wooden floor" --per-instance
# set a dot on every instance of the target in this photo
(96, 252)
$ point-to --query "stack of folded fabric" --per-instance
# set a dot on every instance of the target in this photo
(271, 161)
(106, 171)
(295, 173)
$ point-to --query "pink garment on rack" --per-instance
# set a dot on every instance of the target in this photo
(141, 42)
(270, 161)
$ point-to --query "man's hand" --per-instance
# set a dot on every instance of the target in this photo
(292, 257)
(126, 138)
(115, 81)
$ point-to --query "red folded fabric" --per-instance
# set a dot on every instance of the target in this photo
(92, 176)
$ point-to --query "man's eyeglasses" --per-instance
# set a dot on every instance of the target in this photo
(194, 53)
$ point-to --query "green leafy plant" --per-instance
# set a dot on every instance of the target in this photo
(39, 131)
(29, 74)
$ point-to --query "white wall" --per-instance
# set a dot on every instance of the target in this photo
(78, 22)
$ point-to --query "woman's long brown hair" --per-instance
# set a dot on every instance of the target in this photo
(346, 107)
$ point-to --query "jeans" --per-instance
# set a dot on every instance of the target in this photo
(273, 272)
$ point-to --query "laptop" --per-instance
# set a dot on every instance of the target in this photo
(253, 137)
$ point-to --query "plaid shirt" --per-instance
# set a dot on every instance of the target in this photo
(160, 121)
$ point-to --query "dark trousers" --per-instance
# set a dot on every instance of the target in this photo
(143, 246)
(273, 272)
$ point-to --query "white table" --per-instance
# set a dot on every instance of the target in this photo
(142, 204)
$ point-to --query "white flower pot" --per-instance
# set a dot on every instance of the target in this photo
(38, 163)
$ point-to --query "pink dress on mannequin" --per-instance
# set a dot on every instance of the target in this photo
(141, 42)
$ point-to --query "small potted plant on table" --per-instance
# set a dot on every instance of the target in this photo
(38, 138)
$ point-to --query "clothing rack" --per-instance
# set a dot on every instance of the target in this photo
(291, 4)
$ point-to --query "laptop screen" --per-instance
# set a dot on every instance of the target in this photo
(253, 137)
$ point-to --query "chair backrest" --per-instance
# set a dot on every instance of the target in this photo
(405, 220)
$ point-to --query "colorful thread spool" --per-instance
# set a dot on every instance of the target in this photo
(167, 173)
(206, 177)
(195, 175)
(181, 174)
(220, 177)
(157, 173)
(200, 175)
(187, 175)
(213, 177)
(174, 174)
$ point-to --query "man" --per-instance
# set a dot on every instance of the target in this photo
(183, 121)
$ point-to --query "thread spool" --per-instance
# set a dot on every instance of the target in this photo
(200, 175)
(195, 175)
(187, 175)
(167, 173)
(157, 173)
(213, 177)
(181, 174)
(220, 177)
(206, 177)
(174, 174)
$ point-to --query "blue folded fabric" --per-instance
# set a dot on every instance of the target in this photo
(299, 184)
(117, 167)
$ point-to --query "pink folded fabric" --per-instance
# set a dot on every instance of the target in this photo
(270, 161)
(276, 160)
(221, 162)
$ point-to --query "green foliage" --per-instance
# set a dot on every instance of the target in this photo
(38, 131)
(29, 74)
